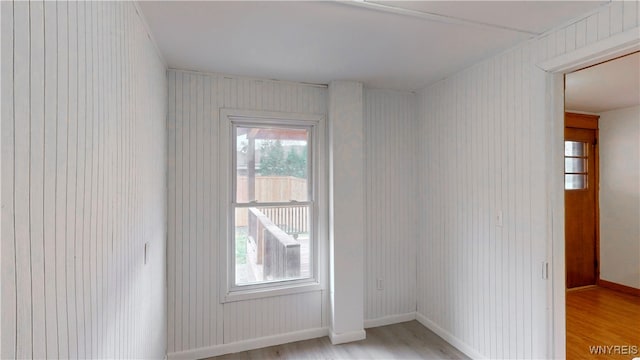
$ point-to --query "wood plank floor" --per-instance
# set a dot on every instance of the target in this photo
(408, 340)
(598, 316)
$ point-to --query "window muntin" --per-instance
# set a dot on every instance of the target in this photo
(273, 238)
(576, 155)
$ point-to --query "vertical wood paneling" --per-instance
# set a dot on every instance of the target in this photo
(71, 182)
(101, 239)
(61, 178)
(218, 311)
(581, 33)
(603, 23)
(615, 18)
(8, 303)
(592, 29)
(178, 216)
(199, 190)
(207, 209)
(247, 319)
(480, 154)
(49, 187)
(171, 207)
(480, 268)
(390, 187)
(81, 122)
(196, 317)
(72, 165)
(630, 14)
(612, 19)
(74, 220)
(93, 197)
(192, 274)
(22, 199)
(36, 178)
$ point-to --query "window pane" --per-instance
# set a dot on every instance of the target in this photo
(575, 165)
(575, 182)
(575, 148)
(272, 243)
(272, 164)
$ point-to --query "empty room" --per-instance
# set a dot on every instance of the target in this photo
(319, 179)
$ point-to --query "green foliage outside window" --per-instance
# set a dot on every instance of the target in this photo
(274, 162)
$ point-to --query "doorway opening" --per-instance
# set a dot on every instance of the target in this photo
(602, 208)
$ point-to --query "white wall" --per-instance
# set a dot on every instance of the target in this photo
(619, 146)
(198, 322)
(391, 185)
(479, 282)
(483, 143)
(346, 210)
(83, 164)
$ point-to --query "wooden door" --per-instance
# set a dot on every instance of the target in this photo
(580, 207)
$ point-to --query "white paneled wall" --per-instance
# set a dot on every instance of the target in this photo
(615, 18)
(197, 319)
(482, 137)
(619, 194)
(270, 316)
(391, 186)
(479, 280)
(83, 182)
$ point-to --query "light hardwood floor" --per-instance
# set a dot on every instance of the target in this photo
(598, 316)
(409, 340)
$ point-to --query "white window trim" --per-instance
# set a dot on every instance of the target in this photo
(228, 291)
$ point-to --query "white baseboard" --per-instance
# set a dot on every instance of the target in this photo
(459, 344)
(251, 344)
(347, 337)
(388, 320)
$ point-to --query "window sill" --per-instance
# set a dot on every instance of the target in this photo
(271, 291)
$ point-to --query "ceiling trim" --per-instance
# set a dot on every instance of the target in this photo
(432, 16)
(246, 77)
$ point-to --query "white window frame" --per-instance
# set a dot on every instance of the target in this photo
(229, 291)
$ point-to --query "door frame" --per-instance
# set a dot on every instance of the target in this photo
(615, 46)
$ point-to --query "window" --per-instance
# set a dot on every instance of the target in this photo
(575, 165)
(271, 206)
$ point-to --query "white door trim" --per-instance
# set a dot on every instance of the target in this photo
(610, 48)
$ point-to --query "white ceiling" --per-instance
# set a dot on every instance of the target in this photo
(318, 42)
(608, 86)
